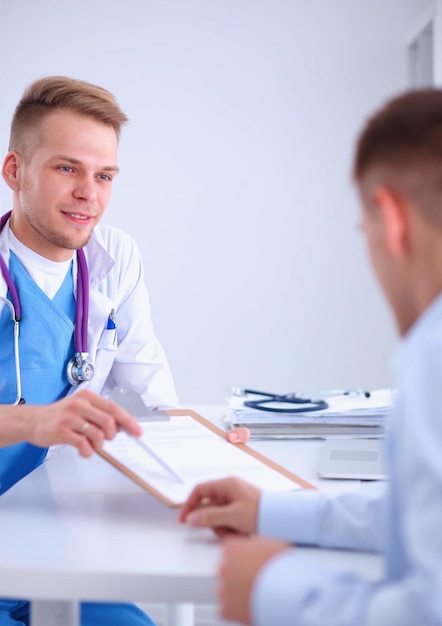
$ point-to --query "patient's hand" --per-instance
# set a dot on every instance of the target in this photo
(242, 560)
(228, 506)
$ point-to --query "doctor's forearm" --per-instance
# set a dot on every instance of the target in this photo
(27, 423)
(83, 420)
(13, 421)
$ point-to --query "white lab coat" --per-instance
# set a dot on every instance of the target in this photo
(131, 355)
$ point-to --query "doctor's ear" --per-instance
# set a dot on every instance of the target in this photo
(394, 218)
(10, 170)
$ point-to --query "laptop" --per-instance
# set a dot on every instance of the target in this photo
(358, 459)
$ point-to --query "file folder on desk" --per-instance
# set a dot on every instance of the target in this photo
(348, 414)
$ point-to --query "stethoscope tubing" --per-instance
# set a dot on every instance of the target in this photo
(18, 398)
(82, 303)
(82, 306)
(79, 367)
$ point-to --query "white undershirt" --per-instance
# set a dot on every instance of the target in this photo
(49, 275)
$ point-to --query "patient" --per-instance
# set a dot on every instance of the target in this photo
(263, 581)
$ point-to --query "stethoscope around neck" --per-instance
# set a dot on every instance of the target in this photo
(79, 368)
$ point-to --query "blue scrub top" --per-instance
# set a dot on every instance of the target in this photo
(46, 344)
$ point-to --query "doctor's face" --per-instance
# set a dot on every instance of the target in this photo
(62, 184)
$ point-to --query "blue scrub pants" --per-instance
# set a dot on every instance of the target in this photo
(92, 614)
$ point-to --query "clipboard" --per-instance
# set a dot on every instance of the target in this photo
(198, 453)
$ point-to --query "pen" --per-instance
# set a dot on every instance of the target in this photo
(157, 458)
(111, 320)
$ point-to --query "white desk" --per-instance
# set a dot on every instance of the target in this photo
(77, 529)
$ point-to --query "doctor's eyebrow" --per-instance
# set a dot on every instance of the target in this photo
(63, 157)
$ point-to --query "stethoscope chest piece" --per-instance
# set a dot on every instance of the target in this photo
(79, 369)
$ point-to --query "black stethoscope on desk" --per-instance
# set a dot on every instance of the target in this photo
(79, 367)
(295, 403)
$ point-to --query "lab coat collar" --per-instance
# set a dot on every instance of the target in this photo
(4, 251)
(99, 261)
(4, 243)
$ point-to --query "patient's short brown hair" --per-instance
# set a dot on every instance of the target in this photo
(401, 145)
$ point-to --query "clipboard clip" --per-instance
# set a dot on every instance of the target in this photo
(133, 403)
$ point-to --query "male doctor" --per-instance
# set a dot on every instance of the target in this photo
(61, 165)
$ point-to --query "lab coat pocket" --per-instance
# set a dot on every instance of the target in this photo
(104, 359)
(108, 340)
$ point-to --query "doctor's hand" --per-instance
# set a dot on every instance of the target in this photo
(83, 420)
(242, 560)
(228, 506)
(238, 435)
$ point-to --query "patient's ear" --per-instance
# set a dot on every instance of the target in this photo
(394, 219)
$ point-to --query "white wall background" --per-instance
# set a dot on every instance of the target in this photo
(235, 171)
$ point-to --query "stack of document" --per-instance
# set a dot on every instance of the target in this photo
(349, 413)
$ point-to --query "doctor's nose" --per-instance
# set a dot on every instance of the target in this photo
(86, 189)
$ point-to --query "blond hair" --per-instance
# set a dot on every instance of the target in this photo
(60, 92)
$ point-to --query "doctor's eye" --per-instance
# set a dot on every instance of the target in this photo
(105, 177)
